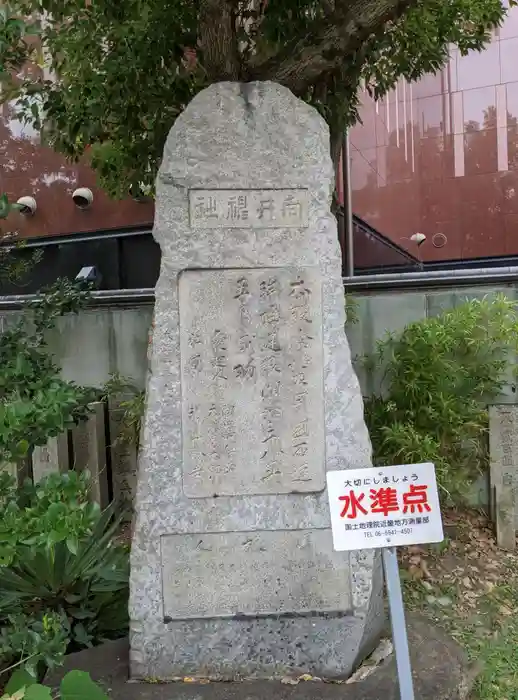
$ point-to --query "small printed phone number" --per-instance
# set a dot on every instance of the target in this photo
(388, 533)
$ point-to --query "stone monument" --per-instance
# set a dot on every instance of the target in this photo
(251, 398)
(503, 452)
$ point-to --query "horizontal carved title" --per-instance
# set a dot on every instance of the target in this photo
(249, 208)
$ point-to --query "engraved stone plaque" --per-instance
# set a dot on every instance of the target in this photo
(221, 566)
(252, 384)
(249, 208)
(503, 446)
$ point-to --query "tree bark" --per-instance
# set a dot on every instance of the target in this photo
(300, 66)
(218, 41)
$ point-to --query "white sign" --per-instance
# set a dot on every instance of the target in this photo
(249, 208)
(384, 507)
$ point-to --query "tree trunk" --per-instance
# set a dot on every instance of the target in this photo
(301, 65)
(218, 41)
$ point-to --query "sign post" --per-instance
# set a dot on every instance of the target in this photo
(397, 620)
(386, 507)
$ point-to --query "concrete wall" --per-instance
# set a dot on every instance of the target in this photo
(99, 342)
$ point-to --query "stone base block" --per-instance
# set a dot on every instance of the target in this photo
(327, 645)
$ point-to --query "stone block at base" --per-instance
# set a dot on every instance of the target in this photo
(440, 668)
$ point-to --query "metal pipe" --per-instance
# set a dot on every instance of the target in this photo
(41, 241)
(106, 297)
(436, 278)
(391, 282)
(348, 207)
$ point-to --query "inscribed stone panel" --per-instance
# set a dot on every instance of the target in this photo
(254, 573)
(252, 385)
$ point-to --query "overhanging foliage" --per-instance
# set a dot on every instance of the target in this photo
(123, 71)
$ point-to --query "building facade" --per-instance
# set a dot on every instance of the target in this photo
(29, 168)
(440, 156)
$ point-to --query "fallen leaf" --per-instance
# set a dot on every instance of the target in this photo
(426, 570)
(444, 601)
(415, 572)
(289, 681)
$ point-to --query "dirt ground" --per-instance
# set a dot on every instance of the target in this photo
(469, 586)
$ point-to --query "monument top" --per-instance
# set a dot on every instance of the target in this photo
(248, 157)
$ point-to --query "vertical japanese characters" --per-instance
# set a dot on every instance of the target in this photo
(252, 370)
(507, 430)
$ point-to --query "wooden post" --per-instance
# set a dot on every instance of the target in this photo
(123, 459)
(503, 452)
(50, 458)
(89, 445)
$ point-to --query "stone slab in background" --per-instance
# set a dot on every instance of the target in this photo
(503, 452)
(243, 204)
(441, 671)
(19, 471)
(89, 445)
(51, 458)
(123, 459)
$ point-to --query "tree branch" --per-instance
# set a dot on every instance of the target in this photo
(217, 39)
(301, 65)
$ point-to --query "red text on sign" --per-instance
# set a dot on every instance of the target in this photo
(416, 499)
(352, 502)
(385, 501)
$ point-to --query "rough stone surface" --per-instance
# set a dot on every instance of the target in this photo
(253, 137)
(441, 671)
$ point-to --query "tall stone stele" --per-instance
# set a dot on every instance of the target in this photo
(251, 399)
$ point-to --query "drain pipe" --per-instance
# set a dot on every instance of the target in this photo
(348, 207)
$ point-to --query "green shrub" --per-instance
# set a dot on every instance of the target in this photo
(439, 376)
(35, 402)
(76, 685)
(54, 510)
(61, 564)
(37, 642)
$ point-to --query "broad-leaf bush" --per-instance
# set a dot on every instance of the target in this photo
(439, 376)
(54, 510)
(35, 402)
(36, 641)
(76, 685)
(61, 564)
